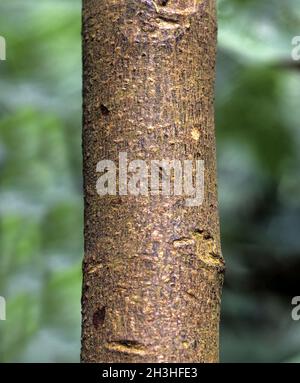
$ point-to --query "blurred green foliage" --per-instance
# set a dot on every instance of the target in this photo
(257, 121)
(40, 182)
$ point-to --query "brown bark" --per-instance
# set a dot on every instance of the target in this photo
(153, 268)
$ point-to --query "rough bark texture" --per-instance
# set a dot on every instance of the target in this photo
(153, 268)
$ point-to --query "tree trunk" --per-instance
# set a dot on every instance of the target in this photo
(153, 268)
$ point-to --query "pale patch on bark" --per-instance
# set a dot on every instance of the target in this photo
(126, 347)
(195, 134)
(207, 250)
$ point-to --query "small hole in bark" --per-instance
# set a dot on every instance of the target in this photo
(104, 110)
(207, 236)
(98, 317)
(163, 2)
(198, 231)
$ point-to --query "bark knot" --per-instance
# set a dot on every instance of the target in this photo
(175, 13)
(208, 250)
